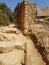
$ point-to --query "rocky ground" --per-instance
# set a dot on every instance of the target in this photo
(40, 36)
(18, 49)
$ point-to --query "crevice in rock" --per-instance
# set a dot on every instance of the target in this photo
(41, 49)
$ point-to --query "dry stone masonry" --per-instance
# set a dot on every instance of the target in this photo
(25, 13)
(19, 49)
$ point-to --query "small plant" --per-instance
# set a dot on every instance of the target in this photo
(4, 19)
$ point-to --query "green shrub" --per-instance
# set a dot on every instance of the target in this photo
(6, 15)
(4, 19)
(0, 11)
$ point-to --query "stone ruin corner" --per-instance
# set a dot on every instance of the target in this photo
(25, 13)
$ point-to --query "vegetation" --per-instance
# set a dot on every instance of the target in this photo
(6, 16)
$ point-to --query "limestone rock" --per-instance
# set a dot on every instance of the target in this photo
(7, 46)
(41, 39)
(18, 49)
(15, 57)
(7, 33)
(32, 55)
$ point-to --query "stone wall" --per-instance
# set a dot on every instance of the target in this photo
(25, 13)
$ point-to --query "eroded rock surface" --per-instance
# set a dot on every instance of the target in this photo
(40, 37)
(18, 49)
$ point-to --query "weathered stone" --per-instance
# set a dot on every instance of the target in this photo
(15, 57)
(26, 9)
(7, 46)
(19, 51)
(32, 55)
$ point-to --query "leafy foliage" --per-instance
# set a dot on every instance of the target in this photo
(6, 16)
(4, 20)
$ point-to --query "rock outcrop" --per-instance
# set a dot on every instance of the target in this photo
(18, 49)
(40, 37)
